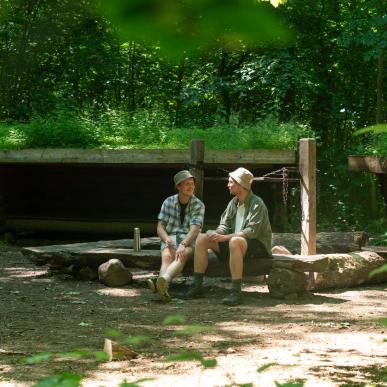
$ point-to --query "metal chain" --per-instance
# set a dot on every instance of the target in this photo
(285, 179)
(285, 185)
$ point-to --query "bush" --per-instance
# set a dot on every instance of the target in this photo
(149, 128)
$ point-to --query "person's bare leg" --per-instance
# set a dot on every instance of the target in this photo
(167, 257)
(176, 267)
(238, 248)
(202, 245)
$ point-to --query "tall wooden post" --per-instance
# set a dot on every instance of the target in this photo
(196, 165)
(307, 165)
(2, 202)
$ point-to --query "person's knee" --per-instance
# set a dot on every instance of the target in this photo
(167, 257)
(201, 240)
(237, 243)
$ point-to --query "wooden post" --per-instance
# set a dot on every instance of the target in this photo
(2, 202)
(196, 165)
(307, 165)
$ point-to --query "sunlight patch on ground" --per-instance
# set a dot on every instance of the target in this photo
(20, 272)
(118, 292)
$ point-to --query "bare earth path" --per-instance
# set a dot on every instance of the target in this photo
(329, 338)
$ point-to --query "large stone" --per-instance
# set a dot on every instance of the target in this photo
(114, 273)
(283, 282)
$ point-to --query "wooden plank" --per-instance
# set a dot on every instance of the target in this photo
(307, 165)
(375, 249)
(250, 156)
(367, 164)
(145, 156)
(79, 225)
(97, 156)
(151, 259)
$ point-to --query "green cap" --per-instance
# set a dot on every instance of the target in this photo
(181, 176)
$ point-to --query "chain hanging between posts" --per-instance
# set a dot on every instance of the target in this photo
(283, 175)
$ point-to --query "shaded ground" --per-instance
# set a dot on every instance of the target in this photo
(329, 338)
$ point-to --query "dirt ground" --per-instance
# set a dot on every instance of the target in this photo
(329, 338)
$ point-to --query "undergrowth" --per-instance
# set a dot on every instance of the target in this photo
(145, 129)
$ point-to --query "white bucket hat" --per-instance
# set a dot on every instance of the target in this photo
(243, 177)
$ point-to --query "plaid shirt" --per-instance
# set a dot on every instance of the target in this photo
(170, 214)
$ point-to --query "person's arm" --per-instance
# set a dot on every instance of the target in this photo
(162, 233)
(256, 220)
(218, 236)
(196, 223)
(222, 232)
(191, 235)
(186, 242)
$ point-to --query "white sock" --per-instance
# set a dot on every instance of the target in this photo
(167, 277)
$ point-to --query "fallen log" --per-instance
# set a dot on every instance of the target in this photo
(326, 242)
(347, 270)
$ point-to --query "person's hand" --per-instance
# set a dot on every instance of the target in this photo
(180, 251)
(216, 237)
(169, 241)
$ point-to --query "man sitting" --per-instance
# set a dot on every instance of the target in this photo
(244, 232)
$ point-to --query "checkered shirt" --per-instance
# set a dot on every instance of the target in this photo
(170, 215)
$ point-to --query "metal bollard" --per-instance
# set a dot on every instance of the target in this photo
(136, 239)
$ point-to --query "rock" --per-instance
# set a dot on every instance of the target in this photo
(87, 273)
(283, 282)
(114, 273)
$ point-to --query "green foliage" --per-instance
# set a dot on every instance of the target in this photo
(187, 26)
(137, 383)
(38, 358)
(66, 379)
(60, 129)
(82, 354)
(144, 130)
(382, 321)
(266, 366)
(381, 269)
(379, 128)
(139, 341)
(380, 240)
(290, 383)
(190, 356)
(176, 319)
(194, 330)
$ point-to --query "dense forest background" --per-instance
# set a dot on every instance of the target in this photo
(69, 78)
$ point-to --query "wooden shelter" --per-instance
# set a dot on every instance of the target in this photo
(113, 191)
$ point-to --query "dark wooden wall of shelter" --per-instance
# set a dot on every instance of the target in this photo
(111, 192)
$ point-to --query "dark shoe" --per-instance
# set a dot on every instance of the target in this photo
(162, 288)
(151, 283)
(234, 298)
(192, 292)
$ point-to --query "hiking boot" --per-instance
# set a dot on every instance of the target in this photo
(162, 288)
(234, 298)
(151, 283)
(193, 292)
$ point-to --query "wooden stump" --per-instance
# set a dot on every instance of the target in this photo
(284, 282)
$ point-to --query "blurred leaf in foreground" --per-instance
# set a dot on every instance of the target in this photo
(188, 26)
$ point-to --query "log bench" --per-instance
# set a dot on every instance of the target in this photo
(286, 274)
